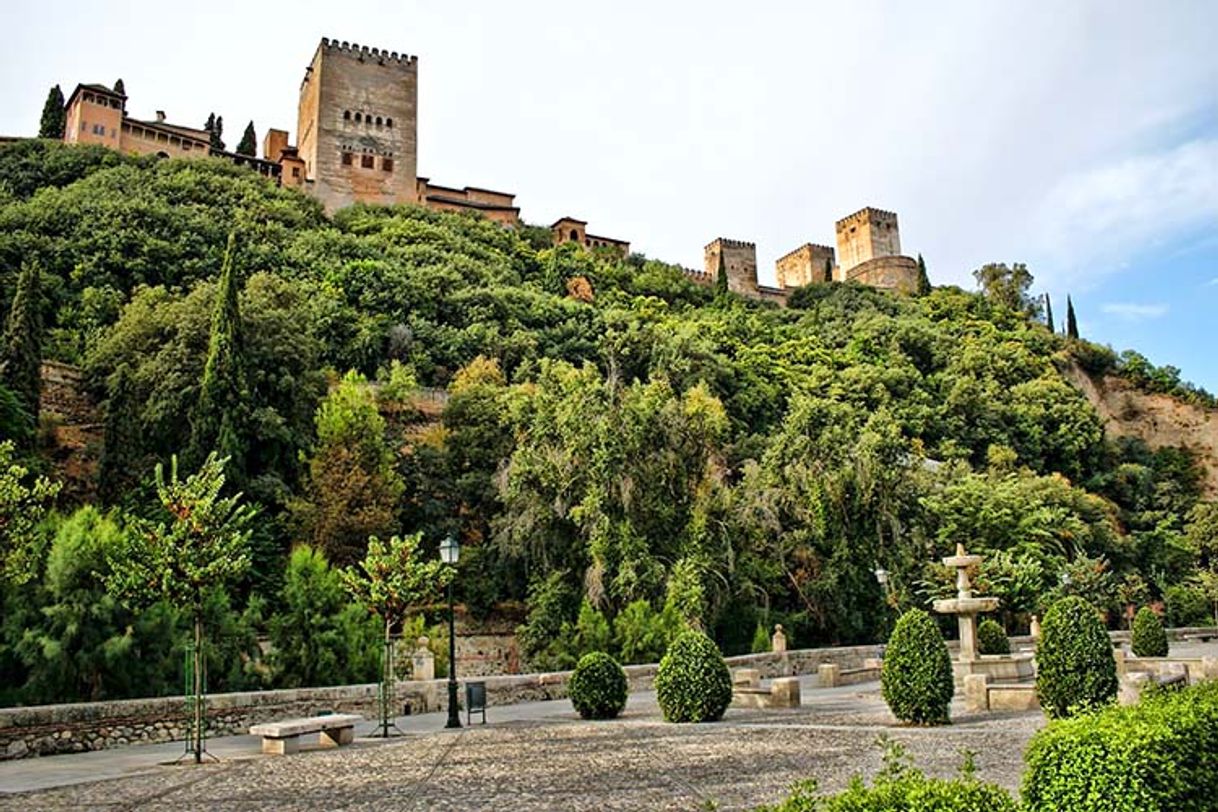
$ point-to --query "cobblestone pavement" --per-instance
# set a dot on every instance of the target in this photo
(556, 761)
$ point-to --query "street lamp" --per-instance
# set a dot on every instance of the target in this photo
(881, 577)
(450, 550)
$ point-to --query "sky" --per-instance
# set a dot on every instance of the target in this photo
(1080, 138)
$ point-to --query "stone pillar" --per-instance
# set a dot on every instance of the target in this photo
(1118, 654)
(829, 675)
(968, 637)
(784, 692)
(778, 642)
(976, 693)
(422, 662)
(1035, 628)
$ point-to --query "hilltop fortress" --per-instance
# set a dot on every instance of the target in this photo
(357, 142)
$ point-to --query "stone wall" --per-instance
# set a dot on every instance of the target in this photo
(886, 273)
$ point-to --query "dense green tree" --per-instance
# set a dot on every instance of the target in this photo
(1071, 321)
(215, 130)
(249, 141)
(121, 460)
(53, 115)
(1049, 314)
(924, 286)
(21, 353)
(24, 501)
(1007, 285)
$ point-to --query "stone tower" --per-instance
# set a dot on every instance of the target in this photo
(740, 260)
(865, 235)
(806, 264)
(357, 127)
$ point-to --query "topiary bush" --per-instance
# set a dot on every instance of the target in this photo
(1148, 638)
(1075, 669)
(693, 683)
(916, 677)
(992, 638)
(598, 686)
(1160, 755)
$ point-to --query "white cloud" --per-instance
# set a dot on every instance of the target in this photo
(1212, 283)
(1131, 311)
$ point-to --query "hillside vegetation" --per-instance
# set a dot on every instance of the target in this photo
(658, 455)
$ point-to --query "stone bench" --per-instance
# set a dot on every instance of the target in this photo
(748, 693)
(283, 738)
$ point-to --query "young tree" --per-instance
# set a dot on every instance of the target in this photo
(218, 422)
(21, 354)
(353, 486)
(53, 115)
(23, 505)
(119, 87)
(1049, 314)
(1071, 321)
(924, 286)
(200, 545)
(390, 580)
(249, 141)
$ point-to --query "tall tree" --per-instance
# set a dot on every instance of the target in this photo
(215, 129)
(200, 545)
(218, 421)
(119, 87)
(53, 115)
(1007, 286)
(721, 277)
(828, 270)
(1049, 313)
(1071, 321)
(21, 354)
(249, 141)
(923, 279)
(120, 441)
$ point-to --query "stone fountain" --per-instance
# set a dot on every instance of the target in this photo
(1005, 667)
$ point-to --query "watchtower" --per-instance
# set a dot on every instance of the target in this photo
(866, 234)
(806, 264)
(357, 125)
(739, 260)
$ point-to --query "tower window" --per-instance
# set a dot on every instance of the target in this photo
(358, 118)
(575, 235)
(365, 161)
(378, 121)
(346, 159)
(346, 115)
(389, 123)
(387, 164)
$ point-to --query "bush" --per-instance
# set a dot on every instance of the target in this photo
(598, 686)
(916, 678)
(1186, 606)
(693, 683)
(992, 638)
(1075, 669)
(1156, 756)
(642, 634)
(1148, 638)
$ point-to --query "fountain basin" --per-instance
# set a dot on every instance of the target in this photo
(965, 606)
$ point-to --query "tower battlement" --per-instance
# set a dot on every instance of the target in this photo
(865, 235)
(363, 52)
(865, 215)
(726, 243)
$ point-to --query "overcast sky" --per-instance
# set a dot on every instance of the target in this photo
(1078, 137)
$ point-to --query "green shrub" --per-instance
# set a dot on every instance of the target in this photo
(1075, 669)
(643, 634)
(1148, 638)
(1160, 755)
(992, 638)
(693, 683)
(761, 640)
(598, 686)
(916, 677)
(1186, 606)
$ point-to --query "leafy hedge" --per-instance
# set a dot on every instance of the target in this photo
(1148, 638)
(916, 677)
(992, 638)
(1075, 669)
(1160, 755)
(693, 683)
(598, 686)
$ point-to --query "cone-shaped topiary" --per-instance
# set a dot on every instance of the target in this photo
(992, 638)
(598, 686)
(916, 677)
(1148, 638)
(693, 683)
(1075, 669)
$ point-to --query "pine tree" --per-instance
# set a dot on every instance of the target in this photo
(721, 277)
(923, 279)
(1049, 313)
(53, 116)
(218, 423)
(1071, 321)
(119, 87)
(249, 141)
(21, 354)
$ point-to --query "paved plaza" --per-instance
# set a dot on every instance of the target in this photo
(534, 756)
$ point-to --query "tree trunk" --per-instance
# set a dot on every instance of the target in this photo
(197, 732)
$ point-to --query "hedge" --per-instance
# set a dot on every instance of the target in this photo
(598, 686)
(692, 682)
(1075, 669)
(916, 676)
(1148, 638)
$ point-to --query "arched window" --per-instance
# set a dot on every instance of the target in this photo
(378, 121)
(346, 115)
(389, 122)
(358, 118)
(575, 235)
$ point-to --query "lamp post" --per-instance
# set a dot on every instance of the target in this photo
(449, 552)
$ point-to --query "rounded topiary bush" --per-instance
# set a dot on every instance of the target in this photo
(598, 686)
(1148, 638)
(992, 638)
(693, 683)
(916, 676)
(1075, 669)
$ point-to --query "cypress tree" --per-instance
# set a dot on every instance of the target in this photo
(53, 115)
(828, 270)
(119, 461)
(215, 129)
(218, 423)
(721, 277)
(1049, 313)
(923, 279)
(249, 141)
(21, 355)
(1071, 322)
(119, 87)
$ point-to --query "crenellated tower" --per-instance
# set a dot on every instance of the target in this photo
(865, 235)
(739, 260)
